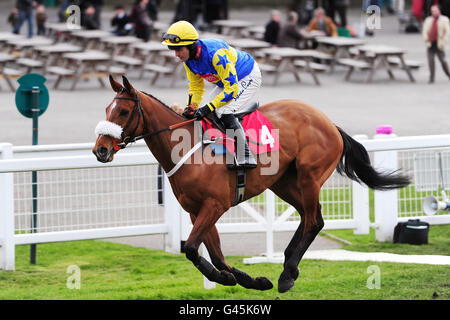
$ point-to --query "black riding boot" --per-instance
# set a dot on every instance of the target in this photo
(244, 156)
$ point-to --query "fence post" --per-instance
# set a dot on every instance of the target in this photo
(386, 202)
(361, 207)
(172, 217)
(7, 245)
(270, 218)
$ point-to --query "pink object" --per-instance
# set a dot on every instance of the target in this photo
(384, 129)
(257, 129)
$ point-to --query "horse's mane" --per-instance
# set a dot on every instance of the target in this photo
(165, 105)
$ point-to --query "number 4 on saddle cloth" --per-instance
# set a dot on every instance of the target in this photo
(261, 135)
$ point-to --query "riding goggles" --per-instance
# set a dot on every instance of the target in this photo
(174, 38)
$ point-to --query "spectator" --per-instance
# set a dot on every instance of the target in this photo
(436, 30)
(341, 7)
(320, 22)
(62, 14)
(290, 34)
(152, 9)
(88, 20)
(141, 21)
(98, 5)
(273, 28)
(41, 18)
(121, 22)
(13, 17)
(25, 8)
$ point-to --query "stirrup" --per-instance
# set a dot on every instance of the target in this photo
(247, 164)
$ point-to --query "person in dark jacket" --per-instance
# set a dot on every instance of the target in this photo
(25, 8)
(290, 35)
(88, 20)
(152, 9)
(121, 22)
(141, 21)
(41, 18)
(273, 28)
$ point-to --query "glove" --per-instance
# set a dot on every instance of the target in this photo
(202, 112)
(188, 112)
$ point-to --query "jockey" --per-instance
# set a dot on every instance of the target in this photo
(235, 73)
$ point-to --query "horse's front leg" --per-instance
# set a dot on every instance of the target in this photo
(212, 243)
(209, 213)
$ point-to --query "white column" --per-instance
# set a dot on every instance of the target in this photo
(270, 219)
(172, 217)
(361, 209)
(7, 245)
(386, 202)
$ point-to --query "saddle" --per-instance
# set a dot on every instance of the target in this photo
(214, 119)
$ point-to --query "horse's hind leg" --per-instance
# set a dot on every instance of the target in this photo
(212, 243)
(306, 201)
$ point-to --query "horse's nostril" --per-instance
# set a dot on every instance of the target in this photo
(102, 151)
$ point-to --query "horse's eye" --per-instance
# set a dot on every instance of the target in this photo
(124, 113)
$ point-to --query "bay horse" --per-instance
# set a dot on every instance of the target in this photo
(311, 148)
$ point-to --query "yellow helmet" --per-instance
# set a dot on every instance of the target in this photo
(180, 33)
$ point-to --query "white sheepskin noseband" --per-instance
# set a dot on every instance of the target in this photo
(108, 128)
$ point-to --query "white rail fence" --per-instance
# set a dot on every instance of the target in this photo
(79, 198)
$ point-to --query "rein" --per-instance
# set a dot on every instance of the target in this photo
(130, 139)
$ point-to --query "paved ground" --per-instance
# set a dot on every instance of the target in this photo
(339, 255)
(412, 108)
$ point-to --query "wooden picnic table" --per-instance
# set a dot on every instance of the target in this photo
(378, 56)
(284, 61)
(340, 45)
(213, 35)
(256, 32)
(249, 45)
(147, 52)
(6, 36)
(51, 55)
(232, 27)
(86, 64)
(88, 39)
(7, 72)
(58, 31)
(24, 45)
(118, 44)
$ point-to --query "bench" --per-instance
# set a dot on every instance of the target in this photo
(9, 73)
(129, 62)
(353, 64)
(317, 67)
(61, 73)
(264, 67)
(30, 64)
(113, 70)
(158, 69)
(412, 64)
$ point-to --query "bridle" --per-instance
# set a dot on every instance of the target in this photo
(125, 140)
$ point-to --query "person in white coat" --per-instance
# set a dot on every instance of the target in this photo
(436, 30)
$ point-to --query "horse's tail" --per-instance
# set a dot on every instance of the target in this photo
(355, 164)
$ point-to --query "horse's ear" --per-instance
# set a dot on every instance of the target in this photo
(127, 85)
(116, 86)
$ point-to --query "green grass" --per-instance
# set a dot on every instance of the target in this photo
(438, 242)
(116, 271)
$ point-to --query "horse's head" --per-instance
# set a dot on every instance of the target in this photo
(124, 121)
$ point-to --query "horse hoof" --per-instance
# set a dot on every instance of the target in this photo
(285, 285)
(263, 283)
(227, 278)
